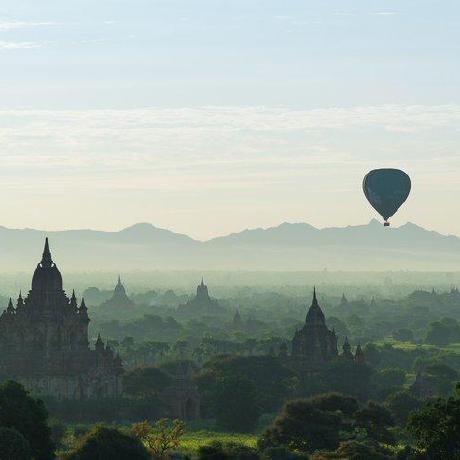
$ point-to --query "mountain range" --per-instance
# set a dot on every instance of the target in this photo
(289, 246)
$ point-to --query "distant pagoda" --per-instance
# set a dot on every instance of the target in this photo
(201, 304)
(119, 299)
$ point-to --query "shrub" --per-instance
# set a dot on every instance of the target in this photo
(108, 443)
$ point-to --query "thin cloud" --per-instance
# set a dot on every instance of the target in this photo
(10, 45)
(384, 13)
(215, 136)
(14, 25)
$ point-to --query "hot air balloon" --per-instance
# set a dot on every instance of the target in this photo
(386, 190)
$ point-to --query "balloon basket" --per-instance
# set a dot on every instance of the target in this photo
(386, 224)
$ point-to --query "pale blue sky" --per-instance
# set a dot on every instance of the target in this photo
(211, 116)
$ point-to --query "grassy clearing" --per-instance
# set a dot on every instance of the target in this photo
(407, 346)
(192, 441)
(454, 348)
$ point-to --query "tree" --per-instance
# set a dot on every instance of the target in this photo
(58, 431)
(302, 426)
(235, 403)
(145, 381)
(160, 438)
(356, 450)
(336, 402)
(443, 378)
(229, 451)
(108, 443)
(272, 380)
(390, 377)
(386, 380)
(282, 453)
(401, 404)
(443, 332)
(404, 335)
(376, 420)
(27, 415)
(13, 445)
(347, 377)
(436, 428)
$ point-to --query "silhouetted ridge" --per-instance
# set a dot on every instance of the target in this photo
(296, 246)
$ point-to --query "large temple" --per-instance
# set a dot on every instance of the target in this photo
(315, 344)
(44, 342)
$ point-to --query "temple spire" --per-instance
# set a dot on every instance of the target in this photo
(73, 300)
(315, 315)
(359, 355)
(119, 280)
(20, 301)
(83, 311)
(10, 308)
(99, 343)
(47, 261)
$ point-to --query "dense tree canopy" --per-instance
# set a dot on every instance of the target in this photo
(235, 403)
(305, 427)
(436, 428)
(145, 381)
(107, 443)
(13, 445)
(27, 415)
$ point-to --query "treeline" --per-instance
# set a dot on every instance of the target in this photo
(326, 426)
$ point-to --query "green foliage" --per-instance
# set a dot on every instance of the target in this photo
(347, 377)
(160, 438)
(387, 380)
(108, 443)
(436, 428)
(390, 377)
(282, 453)
(443, 332)
(107, 409)
(58, 431)
(376, 420)
(303, 426)
(355, 450)
(192, 441)
(235, 403)
(231, 451)
(403, 335)
(401, 404)
(145, 382)
(13, 445)
(272, 380)
(336, 402)
(409, 453)
(27, 415)
(321, 422)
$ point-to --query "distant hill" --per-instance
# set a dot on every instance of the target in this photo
(297, 246)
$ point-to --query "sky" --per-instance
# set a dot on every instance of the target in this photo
(211, 116)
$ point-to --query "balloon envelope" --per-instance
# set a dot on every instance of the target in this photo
(386, 190)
